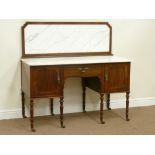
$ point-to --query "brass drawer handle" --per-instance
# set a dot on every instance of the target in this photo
(80, 69)
(83, 70)
(106, 76)
(58, 77)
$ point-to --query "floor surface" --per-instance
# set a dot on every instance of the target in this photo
(142, 122)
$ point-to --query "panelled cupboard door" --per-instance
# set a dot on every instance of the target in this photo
(45, 81)
(117, 77)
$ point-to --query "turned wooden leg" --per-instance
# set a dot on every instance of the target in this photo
(51, 106)
(108, 102)
(23, 105)
(127, 106)
(101, 108)
(61, 112)
(31, 116)
(83, 95)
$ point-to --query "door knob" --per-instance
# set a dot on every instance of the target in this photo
(106, 76)
(58, 77)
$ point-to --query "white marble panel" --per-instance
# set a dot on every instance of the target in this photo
(41, 39)
(74, 60)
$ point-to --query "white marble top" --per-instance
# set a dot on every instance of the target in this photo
(74, 60)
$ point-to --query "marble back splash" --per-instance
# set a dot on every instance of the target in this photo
(41, 39)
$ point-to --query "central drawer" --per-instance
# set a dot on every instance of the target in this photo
(82, 70)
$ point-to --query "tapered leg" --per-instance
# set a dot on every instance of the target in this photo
(83, 95)
(108, 102)
(127, 106)
(61, 112)
(101, 108)
(23, 105)
(51, 106)
(31, 116)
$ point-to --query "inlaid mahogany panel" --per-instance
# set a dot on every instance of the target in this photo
(116, 77)
(82, 70)
(45, 81)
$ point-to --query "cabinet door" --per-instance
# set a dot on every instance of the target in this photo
(117, 77)
(45, 81)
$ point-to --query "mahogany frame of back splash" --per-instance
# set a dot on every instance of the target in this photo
(24, 55)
